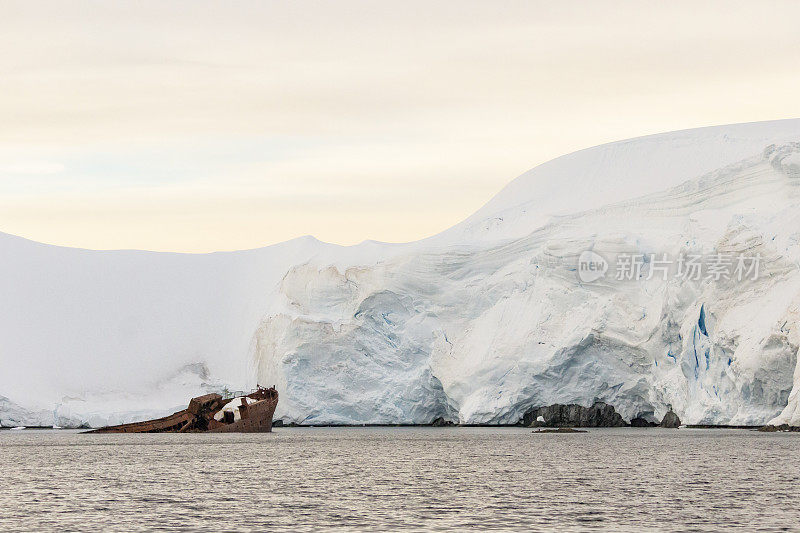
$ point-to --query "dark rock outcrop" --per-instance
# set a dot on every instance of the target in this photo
(282, 424)
(640, 422)
(782, 427)
(441, 422)
(671, 420)
(600, 415)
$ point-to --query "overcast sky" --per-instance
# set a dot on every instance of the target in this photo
(192, 126)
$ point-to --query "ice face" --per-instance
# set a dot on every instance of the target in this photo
(510, 326)
(478, 324)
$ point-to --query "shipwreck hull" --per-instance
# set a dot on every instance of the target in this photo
(258, 419)
(211, 413)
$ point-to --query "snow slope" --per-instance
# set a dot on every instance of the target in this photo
(597, 176)
(477, 324)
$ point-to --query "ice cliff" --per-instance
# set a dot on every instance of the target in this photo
(478, 324)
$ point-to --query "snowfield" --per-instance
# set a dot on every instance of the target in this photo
(478, 324)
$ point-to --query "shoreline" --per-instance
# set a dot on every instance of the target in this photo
(520, 426)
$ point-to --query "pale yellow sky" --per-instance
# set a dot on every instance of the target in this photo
(191, 126)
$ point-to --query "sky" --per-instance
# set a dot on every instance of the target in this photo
(204, 126)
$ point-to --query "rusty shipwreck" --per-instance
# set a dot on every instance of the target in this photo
(213, 413)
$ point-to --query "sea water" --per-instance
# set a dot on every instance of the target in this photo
(401, 478)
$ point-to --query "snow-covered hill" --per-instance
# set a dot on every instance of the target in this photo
(477, 324)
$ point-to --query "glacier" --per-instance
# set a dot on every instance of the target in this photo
(477, 325)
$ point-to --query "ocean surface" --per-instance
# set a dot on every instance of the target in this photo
(401, 478)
